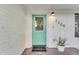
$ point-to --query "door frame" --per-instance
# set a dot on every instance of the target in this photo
(45, 26)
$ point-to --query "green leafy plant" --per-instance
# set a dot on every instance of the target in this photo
(61, 41)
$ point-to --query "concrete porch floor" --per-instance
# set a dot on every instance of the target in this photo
(52, 51)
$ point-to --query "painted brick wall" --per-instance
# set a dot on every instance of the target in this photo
(12, 29)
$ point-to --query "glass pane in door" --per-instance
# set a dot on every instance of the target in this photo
(38, 23)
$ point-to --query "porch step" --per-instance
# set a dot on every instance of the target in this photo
(39, 48)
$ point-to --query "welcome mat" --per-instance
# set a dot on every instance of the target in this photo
(39, 48)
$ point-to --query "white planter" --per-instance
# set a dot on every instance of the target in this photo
(61, 48)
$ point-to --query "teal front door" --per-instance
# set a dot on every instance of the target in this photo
(38, 29)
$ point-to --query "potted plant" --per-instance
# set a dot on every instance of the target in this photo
(61, 44)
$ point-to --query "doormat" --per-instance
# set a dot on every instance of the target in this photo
(40, 48)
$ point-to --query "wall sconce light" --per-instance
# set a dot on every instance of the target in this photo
(52, 13)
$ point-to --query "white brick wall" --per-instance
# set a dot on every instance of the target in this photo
(12, 29)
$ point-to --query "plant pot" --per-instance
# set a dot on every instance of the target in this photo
(61, 48)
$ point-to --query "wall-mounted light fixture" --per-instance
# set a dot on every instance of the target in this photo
(52, 13)
(53, 17)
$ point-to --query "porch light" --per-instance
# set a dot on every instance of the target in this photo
(52, 13)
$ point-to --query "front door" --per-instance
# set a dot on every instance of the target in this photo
(39, 30)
